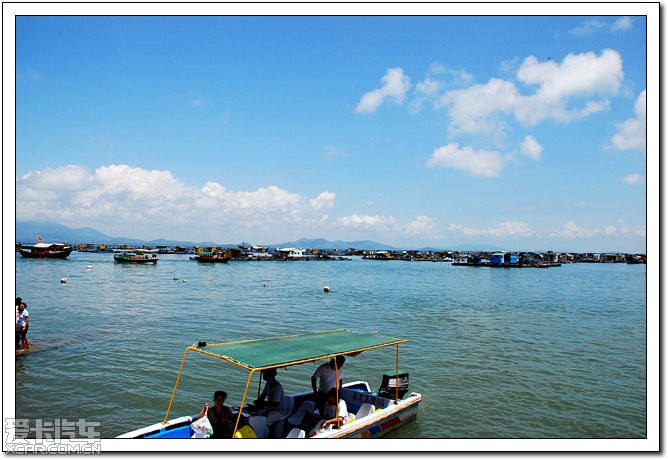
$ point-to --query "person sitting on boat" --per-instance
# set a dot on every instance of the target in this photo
(22, 320)
(327, 374)
(220, 416)
(334, 414)
(273, 393)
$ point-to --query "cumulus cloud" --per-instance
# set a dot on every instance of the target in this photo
(633, 179)
(510, 228)
(421, 225)
(125, 196)
(323, 201)
(366, 221)
(632, 133)
(623, 23)
(595, 25)
(531, 148)
(484, 163)
(395, 86)
(571, 229)
(482, 108)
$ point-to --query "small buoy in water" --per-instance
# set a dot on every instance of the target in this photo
(185, 281)
(176, 278)
(326, 289)
(63, 280)
(89, 267)
(265, 285)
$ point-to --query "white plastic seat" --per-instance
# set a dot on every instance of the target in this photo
(365, 410)
(297, 417)
(296, 433)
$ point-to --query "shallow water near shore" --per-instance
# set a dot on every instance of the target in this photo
(496, 353)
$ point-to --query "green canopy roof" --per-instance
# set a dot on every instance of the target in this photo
(296, 349)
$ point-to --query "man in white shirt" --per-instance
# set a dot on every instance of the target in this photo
(327, 374)
(335, 414)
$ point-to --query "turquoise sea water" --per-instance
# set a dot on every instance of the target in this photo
(496, 353)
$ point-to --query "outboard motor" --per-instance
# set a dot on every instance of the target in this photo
(388, 387)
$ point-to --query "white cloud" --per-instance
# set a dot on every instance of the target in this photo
(421, 225)
(571, 229)
(595, 25)
(323, 201)
(198, 102)
(329, 152)
(366, 221)
(632, 133)
(480, 108)
(589, 27)
(395, 86)
(633, 179)
(507, 229)
(484, 163)
(620, 228)
(531, 148)
(122, 196)
(623, 23)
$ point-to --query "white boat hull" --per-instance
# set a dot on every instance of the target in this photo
(387, 417)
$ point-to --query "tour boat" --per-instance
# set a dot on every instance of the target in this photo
(46, 251)
(136, 256)
(372, 413)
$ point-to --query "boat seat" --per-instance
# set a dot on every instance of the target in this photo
(365, 410)
(259, 425)
(277, 427)
(296, 433)
(296, 418)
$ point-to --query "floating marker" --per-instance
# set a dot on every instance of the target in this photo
(326, 289)
(63, 280)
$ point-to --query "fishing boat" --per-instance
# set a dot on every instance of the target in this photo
(211, 257)
(136, 256)
(372, 413)
(46, 251)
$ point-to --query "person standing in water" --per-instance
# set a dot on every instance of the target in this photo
(22, 323)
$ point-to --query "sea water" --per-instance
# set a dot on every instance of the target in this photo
(495, 353)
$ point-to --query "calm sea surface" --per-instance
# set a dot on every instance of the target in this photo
(496, 353)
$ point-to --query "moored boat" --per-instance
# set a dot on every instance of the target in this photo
(211, 257)
(372, 413)
(136, 256)
(46, 251)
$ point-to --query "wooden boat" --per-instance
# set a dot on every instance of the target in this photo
(46, 251)
(136, 256)
(211, 257)
(374, 413)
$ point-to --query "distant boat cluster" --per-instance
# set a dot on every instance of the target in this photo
(224, 254)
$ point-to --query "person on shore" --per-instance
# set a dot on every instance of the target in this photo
(327, 374)
(220, 416)
(273, 393)
(22, 324)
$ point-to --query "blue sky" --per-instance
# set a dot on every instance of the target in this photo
(522, 132)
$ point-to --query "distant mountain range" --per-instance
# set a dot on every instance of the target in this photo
(26, 232)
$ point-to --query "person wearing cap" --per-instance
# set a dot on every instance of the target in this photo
(273, 393)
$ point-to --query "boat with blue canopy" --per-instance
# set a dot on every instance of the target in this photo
(371, 413)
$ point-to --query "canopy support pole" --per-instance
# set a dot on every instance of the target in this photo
(176, 385)
(396, 378)
(243, 401)
(336, 372)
